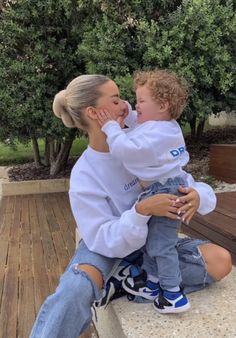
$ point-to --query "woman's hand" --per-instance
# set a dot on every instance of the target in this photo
(171, 206)
(159, 205)
(190, 201)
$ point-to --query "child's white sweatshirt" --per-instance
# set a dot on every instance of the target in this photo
(153, 151)
(102, 196)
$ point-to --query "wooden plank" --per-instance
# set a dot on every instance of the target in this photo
(218, 223)
(57, 210)
(49, 253)
(4, 246)
(5, 227)
(7, 208)
(52, 221)
(3, 202)
(7, 219)
(61, 251)
(8, 318)
(10, 205)
(64, 203)
(229, 213)
(26, 288)
(25, 214)
(69, 239)
(67, 234)
(41, 282)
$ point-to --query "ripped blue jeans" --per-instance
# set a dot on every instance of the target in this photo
(67, 312)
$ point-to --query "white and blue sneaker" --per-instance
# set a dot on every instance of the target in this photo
(114, 287)
(137, 284)
(171, 302)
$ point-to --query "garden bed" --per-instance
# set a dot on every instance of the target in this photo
(29, 172)
(198, 166)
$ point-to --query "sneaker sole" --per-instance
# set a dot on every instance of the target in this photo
(173, 310)
(137, 293)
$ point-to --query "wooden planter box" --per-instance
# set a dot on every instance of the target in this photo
(223, 162)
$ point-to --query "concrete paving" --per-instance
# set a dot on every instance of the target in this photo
(212, 314)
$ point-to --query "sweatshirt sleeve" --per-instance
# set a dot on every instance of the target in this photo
(206, 193)
(131, 120)
(104, 233)
(128, 149)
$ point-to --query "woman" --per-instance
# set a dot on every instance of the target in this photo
(102, 194)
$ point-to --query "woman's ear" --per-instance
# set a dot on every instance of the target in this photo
(91, 113)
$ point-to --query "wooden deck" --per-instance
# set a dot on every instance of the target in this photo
(37, 240)
(219, 226)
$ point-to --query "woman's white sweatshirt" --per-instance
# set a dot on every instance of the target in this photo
(102, 196)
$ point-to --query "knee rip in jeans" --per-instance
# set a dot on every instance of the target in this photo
(76, 267)
(77, 270)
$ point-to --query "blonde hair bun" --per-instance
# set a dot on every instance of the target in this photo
(60, 109)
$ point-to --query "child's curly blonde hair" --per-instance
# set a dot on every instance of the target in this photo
(165, 86)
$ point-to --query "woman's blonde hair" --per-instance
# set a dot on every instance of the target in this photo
(165, 86)
(82, 92)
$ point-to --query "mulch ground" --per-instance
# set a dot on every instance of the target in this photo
(198, 166)
(28, 172)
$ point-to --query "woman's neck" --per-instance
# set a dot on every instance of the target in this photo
(97, 141)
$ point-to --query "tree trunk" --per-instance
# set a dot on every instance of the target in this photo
(57, 147)
(192, 123)
(61, 160)
(200, 129)
(37, 158)
(47, 152)
(52, 154)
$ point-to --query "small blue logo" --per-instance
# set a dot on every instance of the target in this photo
(177, 152)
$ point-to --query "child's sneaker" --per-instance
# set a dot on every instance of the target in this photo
(114, 287)
(171, 302)
(137, 284)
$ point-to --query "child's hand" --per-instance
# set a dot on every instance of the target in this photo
(125, 110)
(104, 116)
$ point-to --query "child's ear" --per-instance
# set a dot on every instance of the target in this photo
(91, 113)
(165, 106)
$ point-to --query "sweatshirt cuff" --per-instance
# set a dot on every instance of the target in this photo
(110, 124)
(139, 219)
(207, 199)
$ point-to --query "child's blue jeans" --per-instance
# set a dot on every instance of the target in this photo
(160, 254)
